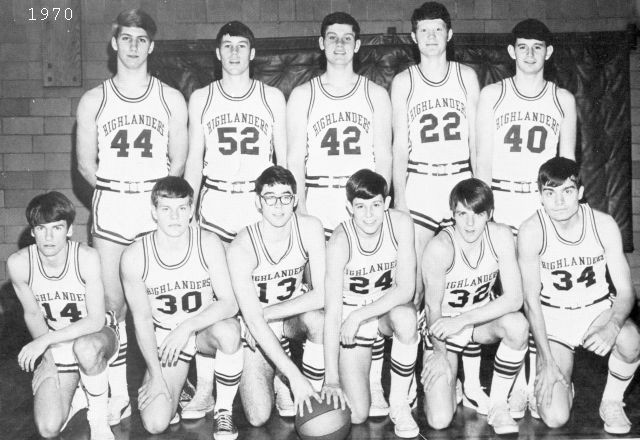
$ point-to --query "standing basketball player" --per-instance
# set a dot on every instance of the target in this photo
(564, 252)
(460, 266)
(177, 284)
(132, 130)
(434, 107)
(57, 281)
(267, 261)
(369, 286)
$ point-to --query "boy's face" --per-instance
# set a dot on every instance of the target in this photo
(368, 214)
(561, 202)
(468, 224)
(132, 46)
(235, 54)
(51, 238)
(432, 36)
(339, 44)
(530, 55)
(276, 202)
(172, 215)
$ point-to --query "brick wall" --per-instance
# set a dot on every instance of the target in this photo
(36, 123)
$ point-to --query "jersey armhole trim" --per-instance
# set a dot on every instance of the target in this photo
(556, 99)
(263, 96)
(460, 80)
(367, 94)
(296, 225)
(207, 103)
(103, 102)
(163, 100)
(453, 245)
(254, 245)
(492, 249)
(543, 225)
(411, 86)
(392, 235)
(503, 92)
(198, 239)
(145, 255)
(32, 263)
(592, 220)
(312, 98)
(76, 263)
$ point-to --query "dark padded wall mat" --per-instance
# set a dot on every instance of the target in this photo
(593, 66)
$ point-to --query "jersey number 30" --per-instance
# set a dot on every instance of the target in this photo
(190, 302)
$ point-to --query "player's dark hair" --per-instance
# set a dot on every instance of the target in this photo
(235, 29)
(531, 29)
(135, 18)
(340, 18)
(472, 193)
(366, 184)
(556, 171)
(274, 175)
(171, 187)
(430, 11)
(50, 207)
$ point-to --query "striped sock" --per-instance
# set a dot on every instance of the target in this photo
(471, 356)
(118, 368)
(377, 359)
(618, 378)
(507, 364)
(313, 364)
(403, 363)
(228, 371)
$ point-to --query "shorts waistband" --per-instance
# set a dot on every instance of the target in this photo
(438, 169)
(125, 186)
(237, 187)
(326, 181)
(603, 298)
(520, 187)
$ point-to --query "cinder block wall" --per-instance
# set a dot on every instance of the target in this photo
(36, 123)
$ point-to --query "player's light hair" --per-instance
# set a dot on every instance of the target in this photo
(274, 175)
(366, 184)
(235, 29)
(48, 208)
(171, 187)
(430, 11)
(531, 29)
(340, 18)
(473, 194)
(556, 171)
(135, 18)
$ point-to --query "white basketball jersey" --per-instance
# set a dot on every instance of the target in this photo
(238, 133)
(176, 291)
(133, 134)
(278, 280)
(369, 273)
(573, 273)
(437, 118)
(468, 283)
(527, 131)
(339, 131)
(61, 297)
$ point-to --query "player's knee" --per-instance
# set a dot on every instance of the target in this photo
(226, 335)
(555, 418)
(259, 417)
(88, 351)
(628, 342)
(154, 425)
(438, 419)
(313, 322)
(359, 415)
(515, 329)
(47, 427)
(405, 322)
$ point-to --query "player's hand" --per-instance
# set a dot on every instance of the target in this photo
(152, 387)
(600, 338)
(446, 327)
(31, 352)
(331, 392)
(436, 366)
(46, 370)
(170, 349)
(547, 376)
(349, 329)
(302, 392)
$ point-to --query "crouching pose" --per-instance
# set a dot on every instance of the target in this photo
(369, 287)
(57, 281)
(564, 251)
(179, 291)
(460, 266)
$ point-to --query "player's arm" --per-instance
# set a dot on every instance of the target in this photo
(381, 130)
(399, 94)
(313, 239)
(297, 109)
(485, 130)
(195, 157)
(568, 128)
(87, 134)
(178, 134)
(470, 80)
(276, 101)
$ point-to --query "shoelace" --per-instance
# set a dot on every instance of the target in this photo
(224, 422)
(614, 410)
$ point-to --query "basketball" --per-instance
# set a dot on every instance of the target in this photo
(324, 423)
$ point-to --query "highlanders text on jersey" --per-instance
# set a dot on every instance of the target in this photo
(468, 283)
(573, 273)
(61, 297)
(133, 134)
(368, 274)
(278, 280)
(178, 290)
(238, 133)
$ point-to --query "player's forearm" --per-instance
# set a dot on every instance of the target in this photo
(265, 338)
(35, 324)
(393, 297)
(492, 310)
(148, 345)
(622, 306)
(216, 312)
(399, 169)
(83, 327)
(295, 306)
(538, 330)
(331, 341)
(433, 314)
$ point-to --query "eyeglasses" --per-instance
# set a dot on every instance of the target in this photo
(285, 199)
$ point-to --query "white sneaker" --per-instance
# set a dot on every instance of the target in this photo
(614, 418)
(476, 398)
(284, 402)
(404, 424)
(118, 409)
(199, 406)
(175, 420)
(379, 406)
(533, 405)
(518, 401)
(459, 392)
(501, 420)
(223, 426)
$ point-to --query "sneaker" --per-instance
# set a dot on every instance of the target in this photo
(284, 401)
(518, 401)
(379, 406)
(187, 393)
(533, 405)
(198, 407)
(501, 420)
(223, 426)
(118, 409)
(404, 424)
(459, 393)
(614, 418)
(476, 398)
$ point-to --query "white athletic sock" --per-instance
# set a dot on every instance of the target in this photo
(118, 368)
(618, 378)
(313, 364)
(507, 363)
(205, 370)
(96, 388)
(403, 363)
(471, 356)
(228, 372)
(377, 359)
